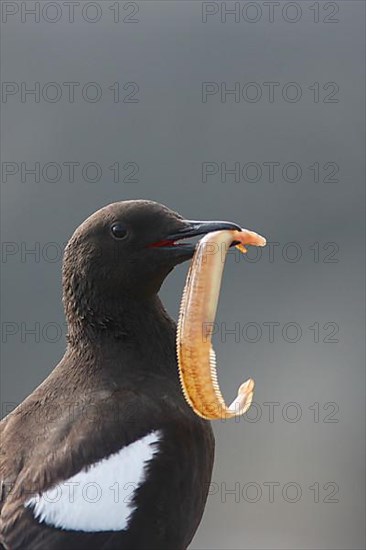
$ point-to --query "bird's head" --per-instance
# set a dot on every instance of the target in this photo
(126, 249)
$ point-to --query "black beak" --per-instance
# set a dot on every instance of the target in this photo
(194, 228)
(181, 251)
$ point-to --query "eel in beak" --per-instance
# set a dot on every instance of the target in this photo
(196, 357)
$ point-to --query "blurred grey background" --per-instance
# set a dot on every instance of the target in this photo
(291, 474)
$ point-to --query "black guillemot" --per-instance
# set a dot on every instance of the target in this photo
(106, 453)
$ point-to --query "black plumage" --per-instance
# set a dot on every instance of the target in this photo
(117, 382)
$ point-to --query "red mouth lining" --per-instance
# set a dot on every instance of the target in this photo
(162, 243)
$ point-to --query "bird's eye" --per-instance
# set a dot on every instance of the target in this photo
(118, 230)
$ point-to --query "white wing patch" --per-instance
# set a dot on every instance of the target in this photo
(100, 498)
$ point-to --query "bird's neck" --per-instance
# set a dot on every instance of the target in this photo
(128, 327)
